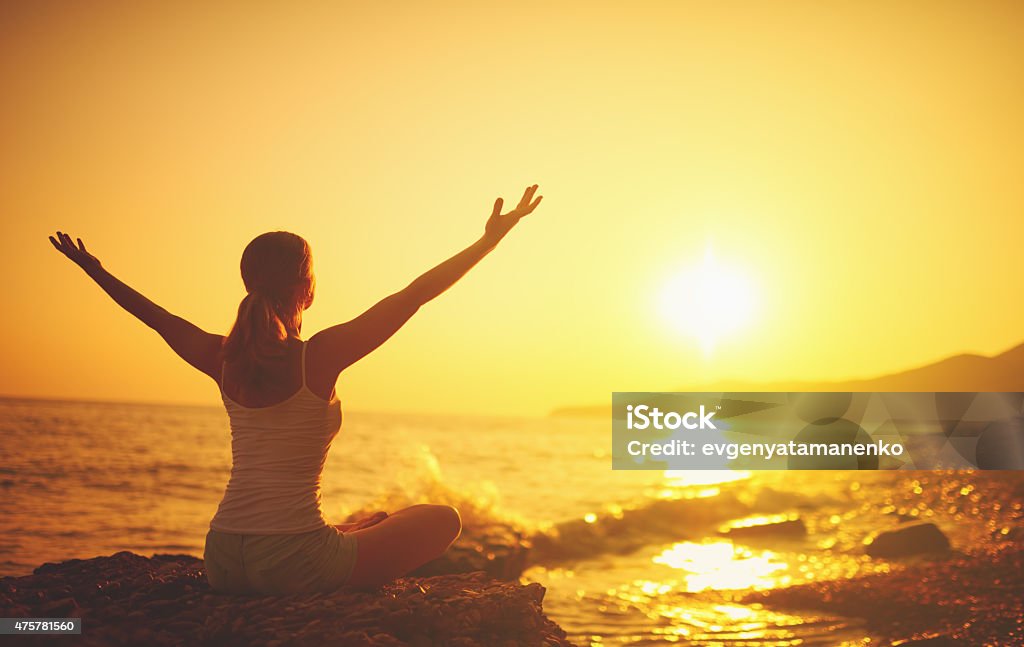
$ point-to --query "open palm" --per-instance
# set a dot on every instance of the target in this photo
(77, 253)
(500, 224)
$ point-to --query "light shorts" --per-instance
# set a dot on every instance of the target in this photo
(310, 562)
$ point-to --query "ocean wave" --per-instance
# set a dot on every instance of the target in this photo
(621, 529)
(672, 513)
(479, 504)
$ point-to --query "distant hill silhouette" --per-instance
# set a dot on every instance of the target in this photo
(967, 372)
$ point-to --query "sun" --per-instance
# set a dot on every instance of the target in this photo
(708, 302)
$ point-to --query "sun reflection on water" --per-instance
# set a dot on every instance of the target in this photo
(722, 565)
(683, 478)
(691, 484)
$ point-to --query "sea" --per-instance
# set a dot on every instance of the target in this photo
(629, 557)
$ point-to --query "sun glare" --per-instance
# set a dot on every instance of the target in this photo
(708, 302)
(721, 565)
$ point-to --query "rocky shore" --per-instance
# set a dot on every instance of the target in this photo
(956, 599)
(127, 599)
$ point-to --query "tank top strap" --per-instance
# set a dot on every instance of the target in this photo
(304, 344)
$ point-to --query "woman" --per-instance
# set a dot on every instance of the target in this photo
(269, 534)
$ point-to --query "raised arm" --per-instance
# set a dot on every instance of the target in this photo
(197, 347)
(346, 343)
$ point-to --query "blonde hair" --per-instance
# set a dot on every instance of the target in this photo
(275, 265)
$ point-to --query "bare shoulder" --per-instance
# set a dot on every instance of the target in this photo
(322, 341)
(322, 367)
(213, 355)
(199, 348)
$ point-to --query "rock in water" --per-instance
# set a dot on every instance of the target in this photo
(127, 599)
(915, 538)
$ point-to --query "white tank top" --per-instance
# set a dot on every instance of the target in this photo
(277, 458)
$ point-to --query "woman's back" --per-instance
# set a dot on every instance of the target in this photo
(278, 454)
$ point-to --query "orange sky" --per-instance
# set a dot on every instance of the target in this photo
(860, 164)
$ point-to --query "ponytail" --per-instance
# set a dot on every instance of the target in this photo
(256, 342)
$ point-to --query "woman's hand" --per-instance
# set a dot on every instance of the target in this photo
(365, 522)
(78, 254)
(500, 224)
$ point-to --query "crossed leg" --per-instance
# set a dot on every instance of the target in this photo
(403, 541)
